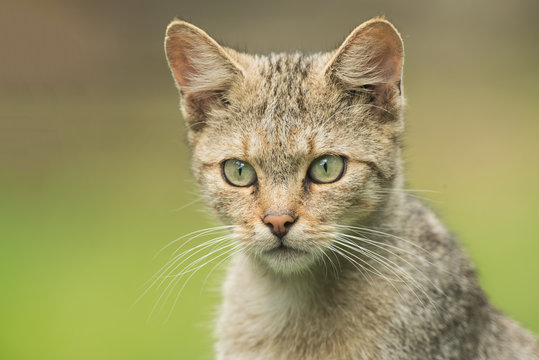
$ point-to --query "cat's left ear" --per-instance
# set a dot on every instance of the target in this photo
(370, 58)
(203, 70)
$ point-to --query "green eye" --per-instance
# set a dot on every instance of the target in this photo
(326, 169)
(239, 173)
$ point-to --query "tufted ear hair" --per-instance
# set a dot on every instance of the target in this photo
(370, 58)
(202, 69)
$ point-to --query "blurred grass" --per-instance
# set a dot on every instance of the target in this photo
(93, 163)
(78, 241)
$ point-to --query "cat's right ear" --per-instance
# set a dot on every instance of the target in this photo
(202, 69)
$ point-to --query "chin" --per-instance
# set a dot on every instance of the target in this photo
(287, 260)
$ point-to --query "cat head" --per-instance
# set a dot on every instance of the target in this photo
(290, 147)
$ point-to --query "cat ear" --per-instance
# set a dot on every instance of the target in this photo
(371, 57)
(203, 70)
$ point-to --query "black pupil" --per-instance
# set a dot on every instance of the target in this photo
(325, 165)
(240, 167)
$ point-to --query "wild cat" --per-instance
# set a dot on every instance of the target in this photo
(332, 259)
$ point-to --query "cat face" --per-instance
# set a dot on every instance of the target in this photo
(288, 147)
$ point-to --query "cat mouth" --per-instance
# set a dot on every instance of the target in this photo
(284, 258)
(285, 250)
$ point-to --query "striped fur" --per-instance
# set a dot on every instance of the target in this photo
(375, 275)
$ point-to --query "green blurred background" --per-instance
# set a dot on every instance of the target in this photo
(93, 161)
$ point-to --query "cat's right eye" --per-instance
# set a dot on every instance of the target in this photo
(239, 173)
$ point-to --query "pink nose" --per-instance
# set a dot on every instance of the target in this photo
(279, 224)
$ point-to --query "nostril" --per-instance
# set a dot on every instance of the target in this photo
(270, 225)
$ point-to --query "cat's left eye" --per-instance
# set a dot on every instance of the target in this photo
(239, 173)
(326, 169)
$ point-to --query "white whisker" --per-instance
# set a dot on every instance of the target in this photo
(231, 254)
(361, 230)
(196, 234)
(389, 268)
(173, 262)
(186, 205)
(390, 265)
(175, 278)
(190, 276)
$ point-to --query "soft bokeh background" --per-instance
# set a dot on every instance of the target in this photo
(93, 161)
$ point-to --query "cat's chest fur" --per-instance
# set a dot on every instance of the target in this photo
(264, 318)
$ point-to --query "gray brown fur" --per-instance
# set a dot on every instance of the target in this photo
(279, 112)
